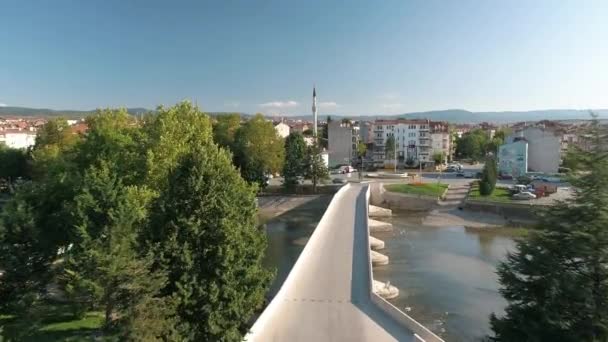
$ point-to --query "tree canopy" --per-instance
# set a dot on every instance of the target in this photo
(146, 220)
(225, 128)
(259, 150)
(556, 280)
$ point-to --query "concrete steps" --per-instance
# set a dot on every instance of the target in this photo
(376, 226)
(455, 196)
(378, 259)
(375, 243)
(386, 291)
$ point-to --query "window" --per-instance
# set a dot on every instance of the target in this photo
(412, 126)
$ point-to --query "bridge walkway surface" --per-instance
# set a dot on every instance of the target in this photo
(327, 295)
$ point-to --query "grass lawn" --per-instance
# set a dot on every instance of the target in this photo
(499, 195)
(52, 322)
(428, 189)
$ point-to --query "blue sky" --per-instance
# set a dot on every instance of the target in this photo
(365, 57)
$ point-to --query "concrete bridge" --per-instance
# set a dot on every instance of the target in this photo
(328, 294)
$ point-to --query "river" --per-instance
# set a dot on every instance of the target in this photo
(446, 275)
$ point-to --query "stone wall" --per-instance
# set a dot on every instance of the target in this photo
(511, 212)
(393, 200)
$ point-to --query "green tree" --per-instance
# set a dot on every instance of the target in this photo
(439, 157)
(51, 155)
(258, 150)
(169, 135)
(556, 280)
(295, 160)
(55, 132)
(472, 145)
(361, 149)
(104, 267)
(316, 170)
(489, 176)
(390, 148)
(205, 226)
(13, 163)
(224, 129)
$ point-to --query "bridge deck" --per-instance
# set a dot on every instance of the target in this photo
(326, 297)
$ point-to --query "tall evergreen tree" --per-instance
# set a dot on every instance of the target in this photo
(489, 176)
(556, 281)
(295, 160)
(205, 226)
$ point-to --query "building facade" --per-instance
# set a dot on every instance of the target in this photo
(544, 148)
(343, 138)
(18, 139)
(513, 158)
(282, 129)
(415, 141)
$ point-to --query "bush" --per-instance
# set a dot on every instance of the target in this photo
(485, 188)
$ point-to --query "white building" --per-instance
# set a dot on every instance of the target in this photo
(18, 139)
(342, 143)
(282, 129)
(544, 147)
(415, 140)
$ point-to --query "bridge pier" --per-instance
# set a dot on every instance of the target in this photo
(375, 244)
(375, 211)
(379, 226)
(385, 290)
(378, 259)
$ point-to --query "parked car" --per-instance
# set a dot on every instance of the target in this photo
(515, 189)
(460, 174)
(347, 169)
(504, 176)
(339, 181)
(469, 175)
(524, 195)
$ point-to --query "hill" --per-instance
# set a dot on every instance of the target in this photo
(450, 115)
(464, 116)
(47, 113)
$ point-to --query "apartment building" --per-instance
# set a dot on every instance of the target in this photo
(343, 138)
(415, 140)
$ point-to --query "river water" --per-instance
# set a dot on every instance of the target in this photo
(446, 276)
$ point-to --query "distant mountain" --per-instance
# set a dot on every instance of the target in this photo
(450, 115)
(464, 116)
(44, 112)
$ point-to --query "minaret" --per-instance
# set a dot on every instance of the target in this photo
(314, 111)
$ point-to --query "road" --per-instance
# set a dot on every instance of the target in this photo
(326, 297)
